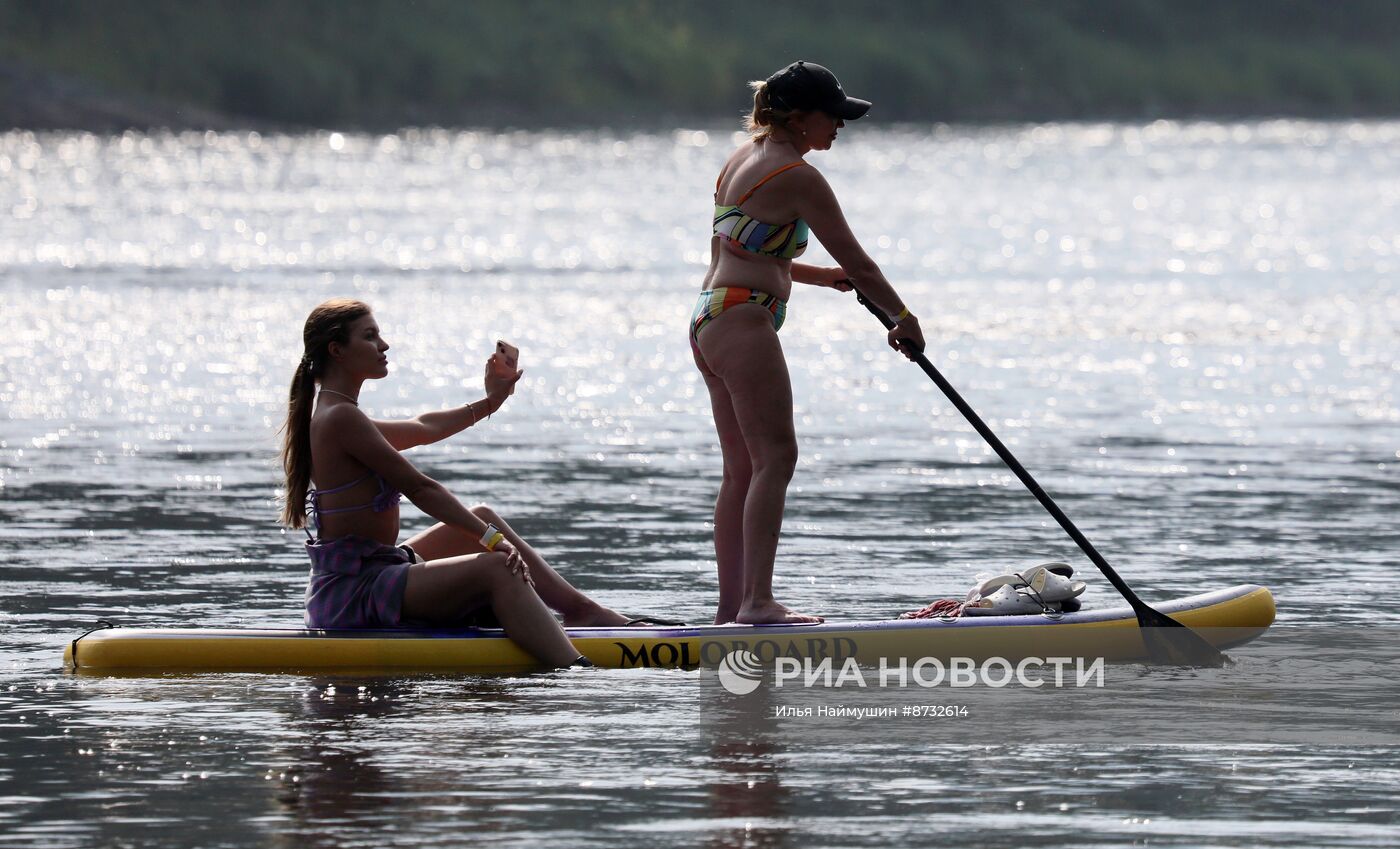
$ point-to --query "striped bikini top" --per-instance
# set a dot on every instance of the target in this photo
(783, 241)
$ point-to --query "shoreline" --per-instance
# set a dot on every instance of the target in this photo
(39, 100)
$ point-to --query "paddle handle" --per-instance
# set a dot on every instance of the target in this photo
(1010, 460)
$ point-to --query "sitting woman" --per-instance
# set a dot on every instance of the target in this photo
(471, 559)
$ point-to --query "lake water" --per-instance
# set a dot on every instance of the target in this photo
(1188, 332)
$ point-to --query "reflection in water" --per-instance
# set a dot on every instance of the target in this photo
(343, 770)
(746, 752)
(753, 793)
(329, 778)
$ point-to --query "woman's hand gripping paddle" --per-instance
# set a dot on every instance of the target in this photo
(1168, 642)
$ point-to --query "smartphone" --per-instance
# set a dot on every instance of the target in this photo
(507, 358)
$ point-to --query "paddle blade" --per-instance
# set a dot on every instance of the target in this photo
(1170, 643)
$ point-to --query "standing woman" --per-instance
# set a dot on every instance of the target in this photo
(766, 199)
(359, 577)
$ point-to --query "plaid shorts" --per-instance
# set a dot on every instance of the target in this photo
(356, 583)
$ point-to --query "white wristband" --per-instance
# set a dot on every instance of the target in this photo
(491, 538)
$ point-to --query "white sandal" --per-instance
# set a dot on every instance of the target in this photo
(1049, 581)
(1005, 600)
(1051, 585)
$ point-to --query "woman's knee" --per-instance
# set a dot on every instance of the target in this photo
(777, 457)
(737, 476)
(493, 566)
(505, 584)
(738, 467)
(485, 513)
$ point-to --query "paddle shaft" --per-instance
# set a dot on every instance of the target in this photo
(1006, 457)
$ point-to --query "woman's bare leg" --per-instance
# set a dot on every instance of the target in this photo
(729, 503)
(578, 610)
(442, 590)
(741, 348)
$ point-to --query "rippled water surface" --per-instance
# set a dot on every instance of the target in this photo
(1187, 332)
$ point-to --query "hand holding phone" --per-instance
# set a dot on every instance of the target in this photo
(503, 370)
(507, 358)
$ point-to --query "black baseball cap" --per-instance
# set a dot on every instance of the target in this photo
(804, 86)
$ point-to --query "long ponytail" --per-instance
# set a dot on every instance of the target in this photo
(296, 445)
(329, 322)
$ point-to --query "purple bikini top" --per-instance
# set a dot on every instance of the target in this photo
(387, 497)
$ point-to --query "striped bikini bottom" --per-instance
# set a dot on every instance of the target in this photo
(713, 302)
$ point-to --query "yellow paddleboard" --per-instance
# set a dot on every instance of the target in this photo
(1225, 618)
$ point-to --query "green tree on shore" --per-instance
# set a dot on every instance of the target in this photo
(378, 63)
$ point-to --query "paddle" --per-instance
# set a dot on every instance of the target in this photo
(1168, 641)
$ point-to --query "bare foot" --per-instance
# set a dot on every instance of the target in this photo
(724, 616)
(773, 613)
